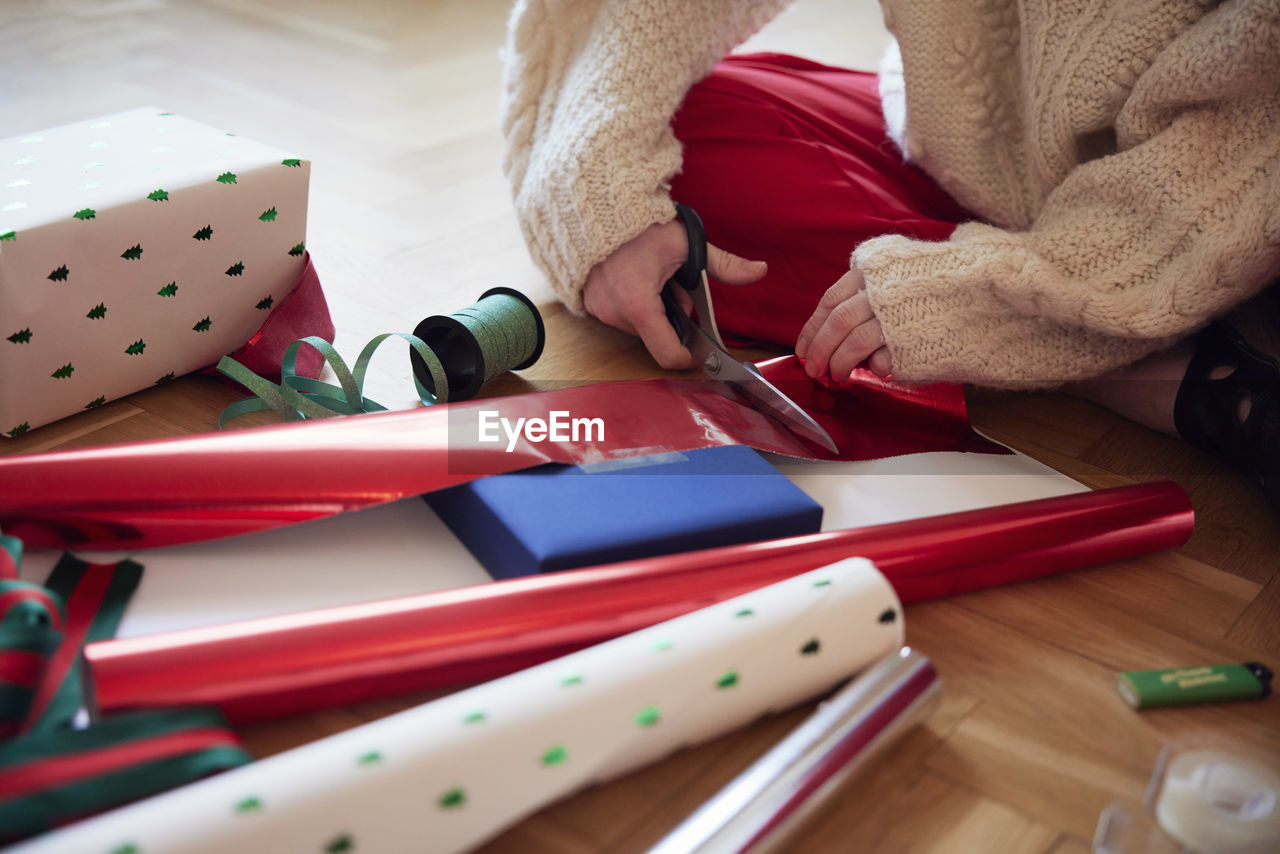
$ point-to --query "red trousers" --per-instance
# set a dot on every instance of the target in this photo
(787, 161)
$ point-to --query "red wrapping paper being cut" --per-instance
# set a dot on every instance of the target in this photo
(277, 666)
(199, 487)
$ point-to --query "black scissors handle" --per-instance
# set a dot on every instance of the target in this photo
(689, 276)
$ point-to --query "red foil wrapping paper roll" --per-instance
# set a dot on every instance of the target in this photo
(276, 666)
(192, 488)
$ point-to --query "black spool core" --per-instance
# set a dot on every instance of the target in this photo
(458, 351)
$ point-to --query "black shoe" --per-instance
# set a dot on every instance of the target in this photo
(1235, 417)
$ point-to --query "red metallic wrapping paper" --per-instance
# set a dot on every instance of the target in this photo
(277, 666)
(199, 487)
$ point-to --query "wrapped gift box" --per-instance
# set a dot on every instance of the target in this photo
(133, 249)
(562, 517)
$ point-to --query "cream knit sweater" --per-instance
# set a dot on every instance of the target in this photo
(1124, 154)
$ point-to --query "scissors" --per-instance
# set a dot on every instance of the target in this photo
(704, 342)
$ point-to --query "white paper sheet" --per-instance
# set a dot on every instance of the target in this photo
(402, 548)
(874, 492)
(395, 549)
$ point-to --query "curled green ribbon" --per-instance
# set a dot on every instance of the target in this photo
(502, 331)
(296, 398)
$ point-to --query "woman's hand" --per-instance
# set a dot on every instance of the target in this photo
(843, 332)
(625, 289)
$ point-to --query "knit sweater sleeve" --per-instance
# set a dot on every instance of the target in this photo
(589, 90)
(1128, 253)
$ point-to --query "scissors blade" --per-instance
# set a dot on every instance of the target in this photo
(706, 315)
(764, 395)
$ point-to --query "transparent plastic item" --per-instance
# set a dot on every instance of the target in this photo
(1206, 796)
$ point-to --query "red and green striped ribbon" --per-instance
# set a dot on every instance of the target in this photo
(10, 556)
(30, 632)
(52, 773)
(95, 595)
(31, 622)
(53, 778)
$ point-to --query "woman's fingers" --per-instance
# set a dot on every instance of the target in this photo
(849, 329)
(843, 332)
(845, 287)
(730, 269)
(859, 345)
(625, 289)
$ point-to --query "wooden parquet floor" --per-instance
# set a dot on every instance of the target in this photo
(395, 104)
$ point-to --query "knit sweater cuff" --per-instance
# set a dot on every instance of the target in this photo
(575, 214)
(944, 322)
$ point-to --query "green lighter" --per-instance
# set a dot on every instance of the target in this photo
(1179, 686)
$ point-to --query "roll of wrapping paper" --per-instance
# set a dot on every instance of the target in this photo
(444, 776)
(191, 488)
(276, 666)
(769, 801)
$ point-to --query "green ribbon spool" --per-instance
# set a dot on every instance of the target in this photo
(452, 357)
(502, 331)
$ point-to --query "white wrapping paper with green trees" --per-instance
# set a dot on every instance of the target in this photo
(135, 248)
(452, 773)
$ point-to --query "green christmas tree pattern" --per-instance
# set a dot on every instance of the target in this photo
(556, 755)
(250, 804)
(167, 378)
(227, 178)
(98, 312)
(811, 648)
(202, 326)
(85, 213)
(158, 196)
(236, 269)
(9, 235)
(298, 249)
(19, 430)
(340, 844)
(648, 716)
(291, 161)
(269, 215)
(64, 372)
(96, 402)
(204, 233)
(265, 303)
(168, 290)
(22, 336)
(60, 274)
(453, 798)
(136, 348)
(133, 253)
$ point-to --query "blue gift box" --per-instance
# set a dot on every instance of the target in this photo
(559, 517)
